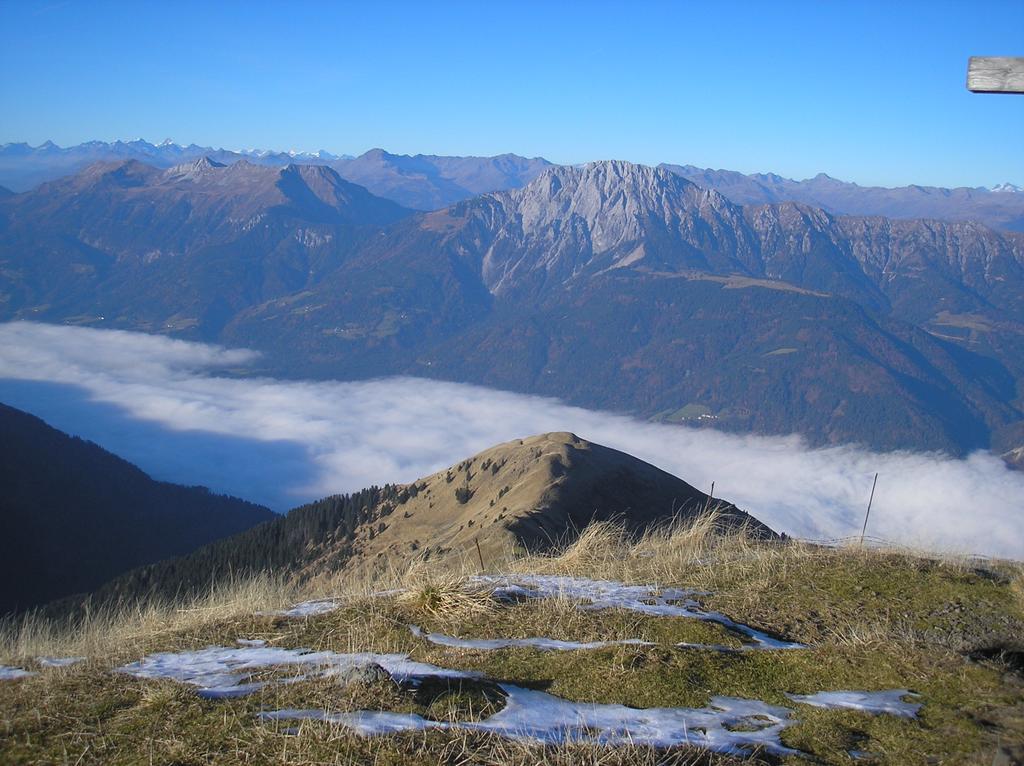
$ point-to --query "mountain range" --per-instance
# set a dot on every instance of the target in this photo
(73, 516)
(430, 182)
(1001, 206)
(423, 182)
(610, 285)
(23, 167)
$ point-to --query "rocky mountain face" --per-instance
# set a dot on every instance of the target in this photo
(610, 285)
(1001, 207)
(575, 223)
(534, 493)
(72, 515)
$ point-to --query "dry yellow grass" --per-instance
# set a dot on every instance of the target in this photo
(121, 628)
(444, 593)
(873, 618)
(680, 548)
(743, 574)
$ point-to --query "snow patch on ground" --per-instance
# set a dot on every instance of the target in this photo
(543, 644)
(889, 701)
(221, 672)
(726, 725)
(306, 608)
(59, 662)
(608, 594)
(8, 673)
(601, 594)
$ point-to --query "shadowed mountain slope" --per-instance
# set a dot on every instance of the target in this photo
(72, 515)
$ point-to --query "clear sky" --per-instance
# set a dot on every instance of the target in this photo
(871, 92)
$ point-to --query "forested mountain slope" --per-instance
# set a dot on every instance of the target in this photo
(72, 515)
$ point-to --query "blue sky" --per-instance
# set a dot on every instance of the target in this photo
(866, 91)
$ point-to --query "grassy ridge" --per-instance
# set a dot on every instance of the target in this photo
(872, 620)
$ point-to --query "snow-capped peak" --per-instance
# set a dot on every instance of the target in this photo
(1007, 187)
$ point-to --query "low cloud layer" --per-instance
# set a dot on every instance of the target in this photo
(173, 408)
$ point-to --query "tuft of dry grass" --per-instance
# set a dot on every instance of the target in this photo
(444, 594)
(679, 548)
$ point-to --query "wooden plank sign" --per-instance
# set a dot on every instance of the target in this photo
(995, 74)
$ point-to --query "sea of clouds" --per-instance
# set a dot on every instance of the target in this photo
(179, 411)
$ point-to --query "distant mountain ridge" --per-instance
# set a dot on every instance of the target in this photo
(423, 182)
(188, 246)
(628, 288)
(431, 182)
(72, 515)
(23, 167)
(1000, 207)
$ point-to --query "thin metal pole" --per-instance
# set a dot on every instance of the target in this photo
(868, 514)
(707, 505)
(479, 554)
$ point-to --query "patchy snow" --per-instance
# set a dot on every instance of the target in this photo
(608, 594)
(726, 725)
(889, 701)
(58, 662)
(308, 608)
(222, 672)
(227, 671)
(8, 673)
(544, 644)
(861, 755)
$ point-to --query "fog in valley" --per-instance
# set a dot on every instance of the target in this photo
(180, 412)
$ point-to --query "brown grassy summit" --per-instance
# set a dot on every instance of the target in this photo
(533, 493)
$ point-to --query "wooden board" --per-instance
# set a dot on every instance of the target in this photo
(995, 74)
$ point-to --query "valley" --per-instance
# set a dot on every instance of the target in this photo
(511, 384)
